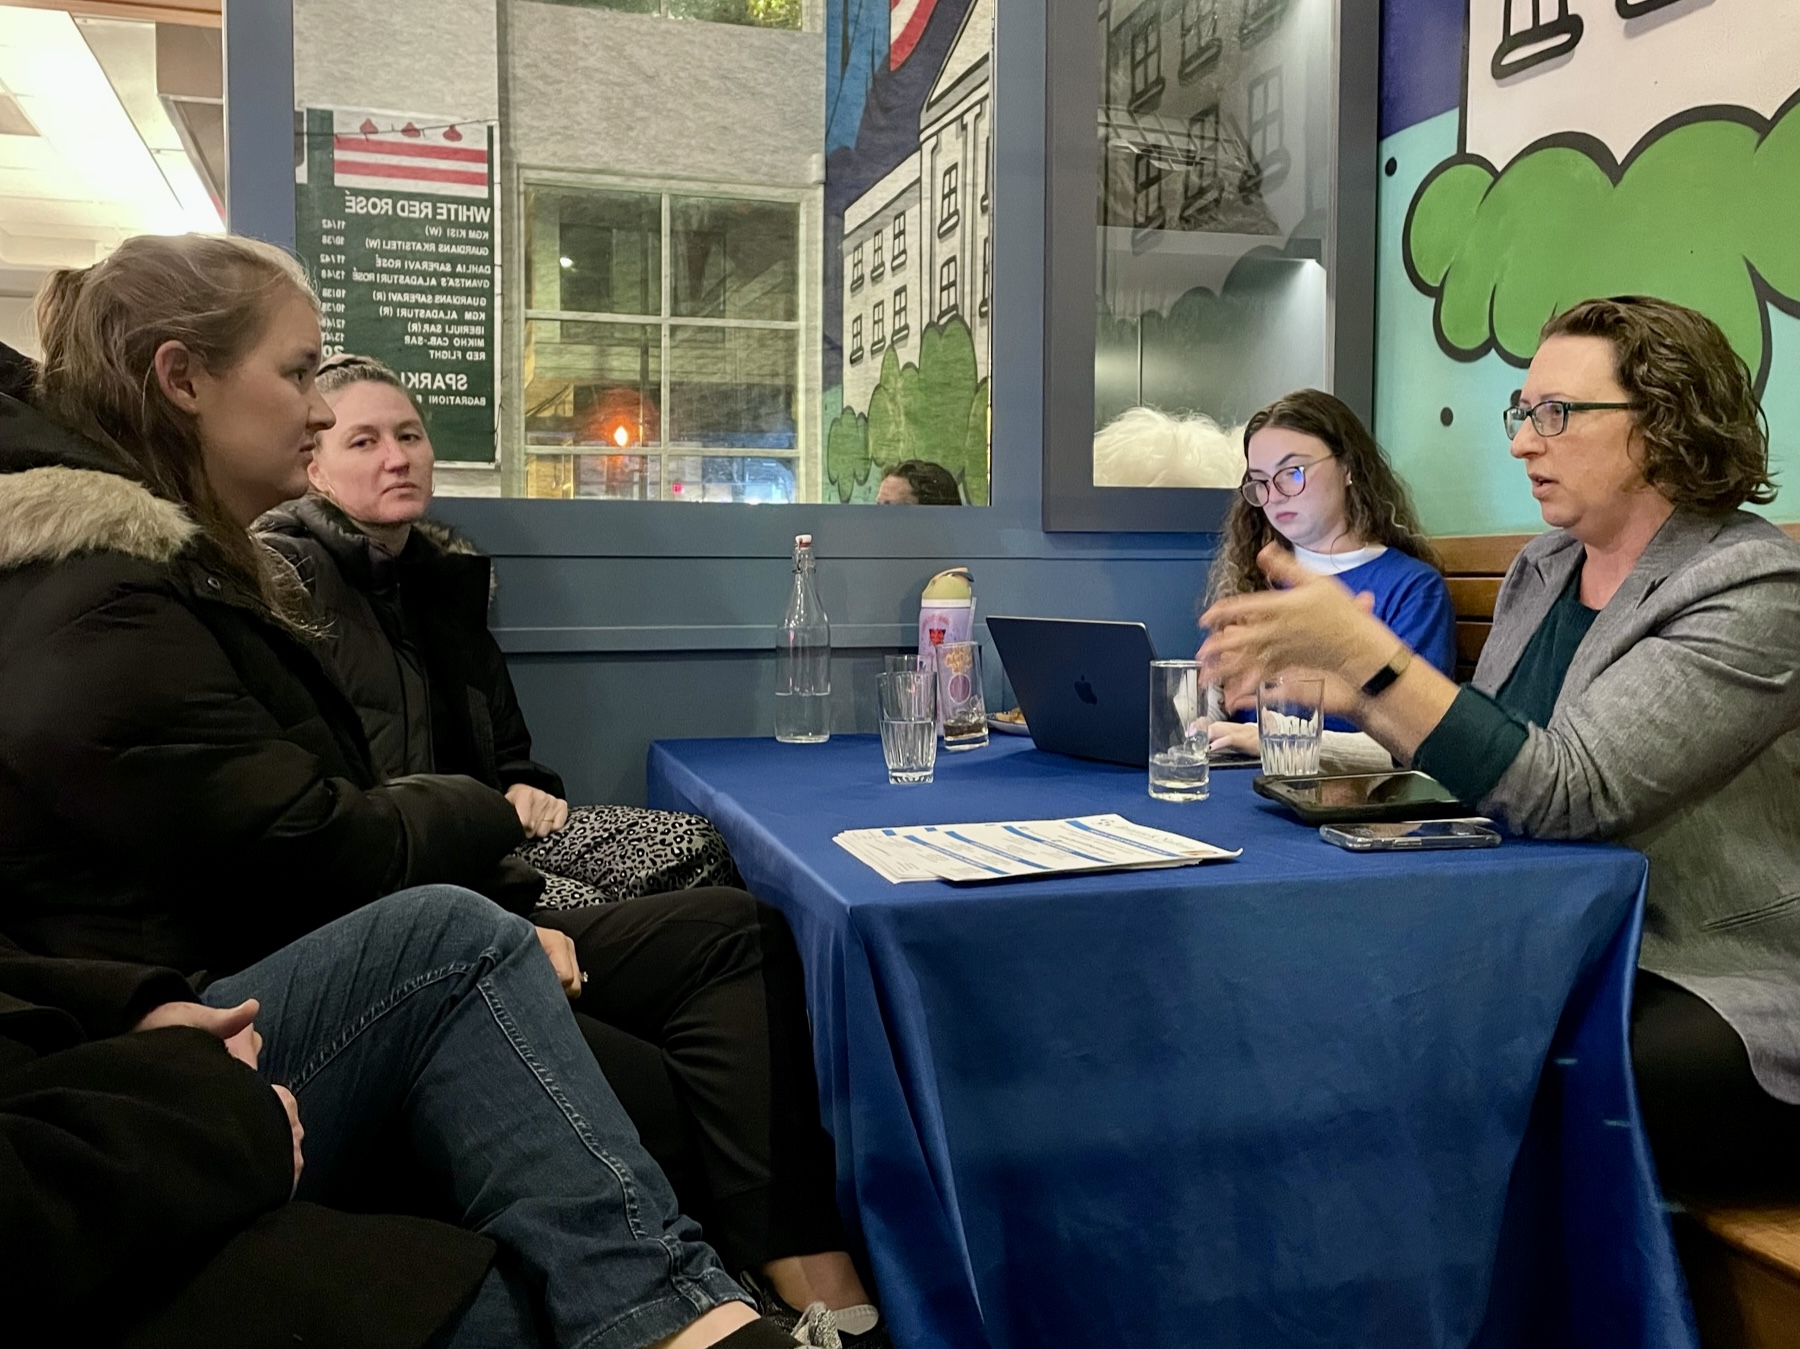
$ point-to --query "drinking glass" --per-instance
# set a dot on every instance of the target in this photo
(909, 725)
(959, 696)
(1289, 718)
(905, 664)
(1179, 770)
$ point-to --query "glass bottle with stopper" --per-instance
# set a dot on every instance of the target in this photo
(803, 659)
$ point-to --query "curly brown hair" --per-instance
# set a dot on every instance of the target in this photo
(1706, 440)
(1377, 507)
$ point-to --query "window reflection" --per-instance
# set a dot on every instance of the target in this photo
(1214, 186)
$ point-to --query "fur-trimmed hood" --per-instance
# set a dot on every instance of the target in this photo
(61, 494)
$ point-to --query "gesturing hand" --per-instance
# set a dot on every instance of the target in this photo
(236, 1026)
(561, 950)
(541, 813)
(1311, 623)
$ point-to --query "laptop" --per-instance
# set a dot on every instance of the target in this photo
(1083, 685)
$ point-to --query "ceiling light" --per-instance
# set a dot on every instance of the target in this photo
(60, 87)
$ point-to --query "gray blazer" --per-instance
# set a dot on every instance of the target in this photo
(1675, 733)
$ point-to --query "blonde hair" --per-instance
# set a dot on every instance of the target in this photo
(1145, 447)
(347, 368)
(100, 328)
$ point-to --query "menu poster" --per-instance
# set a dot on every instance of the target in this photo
(395, 217)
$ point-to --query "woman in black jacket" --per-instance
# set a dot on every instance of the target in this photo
(406, 601)
(696, 1008)
(180, 781)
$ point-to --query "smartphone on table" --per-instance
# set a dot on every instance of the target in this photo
(1409, 835)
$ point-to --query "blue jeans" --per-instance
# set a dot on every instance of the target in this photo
(434, 1017)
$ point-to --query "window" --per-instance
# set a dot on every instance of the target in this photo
(877, 268)
(899, 254)
(1146, 187)
(947, 287)
(1200, 44)
(856, 346)
(900, 325)
(1535, 31)
(948, 214)
(1268, 152)
(877, 329)
(655, 323)
(987, 170)
(1261, 17)
(987, 267)
(750, 13)
(856, 270)
(1144, 29)
(1203, 188)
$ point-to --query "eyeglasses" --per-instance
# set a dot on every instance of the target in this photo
(1551, 416)
(1289, 482)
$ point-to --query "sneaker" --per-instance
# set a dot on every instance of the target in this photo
(875, 1337)
(777, 1312)
(817, 1328)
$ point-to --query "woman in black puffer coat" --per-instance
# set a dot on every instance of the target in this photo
(406, 601)
(183, 783)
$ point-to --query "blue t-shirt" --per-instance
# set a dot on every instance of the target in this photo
(1412, 599)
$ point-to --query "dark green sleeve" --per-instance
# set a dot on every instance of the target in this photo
(1472, 747)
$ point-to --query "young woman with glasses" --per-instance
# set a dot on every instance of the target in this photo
(1318, 486)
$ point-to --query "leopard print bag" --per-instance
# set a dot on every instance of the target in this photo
(608, 853)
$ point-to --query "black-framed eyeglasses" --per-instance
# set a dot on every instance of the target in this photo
(1289, 482)
(1550, 416)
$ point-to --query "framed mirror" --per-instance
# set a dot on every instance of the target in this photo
(1210, 242)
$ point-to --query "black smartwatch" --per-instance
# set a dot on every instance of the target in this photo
(1379, 682)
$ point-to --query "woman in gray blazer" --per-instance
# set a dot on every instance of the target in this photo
(1642, 684)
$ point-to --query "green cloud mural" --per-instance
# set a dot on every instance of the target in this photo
(1707, 214)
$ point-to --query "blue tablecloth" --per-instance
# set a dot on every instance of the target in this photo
(1306, 1098)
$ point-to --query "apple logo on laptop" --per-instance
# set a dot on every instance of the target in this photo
(1085, 692)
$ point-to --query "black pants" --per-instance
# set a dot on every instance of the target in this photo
(696, 1010)
(1717, 1135)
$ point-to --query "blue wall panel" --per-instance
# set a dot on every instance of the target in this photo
(610, 653)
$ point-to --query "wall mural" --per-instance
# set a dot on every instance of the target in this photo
(908, 252)
(1591, 147)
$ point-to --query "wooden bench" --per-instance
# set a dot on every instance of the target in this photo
(1743, 1265)
(1743, 1271)
(1474, 565)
